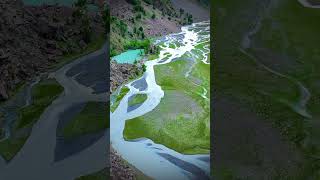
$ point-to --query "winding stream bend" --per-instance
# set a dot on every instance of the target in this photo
(300, 105)
(36, 159)
(156, 160)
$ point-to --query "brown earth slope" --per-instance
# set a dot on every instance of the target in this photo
(34, 38)
(199, 11)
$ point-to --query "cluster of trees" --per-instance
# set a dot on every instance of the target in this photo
(81, 14)
(138, 44)
(139, 32)
(153, 16)
(139, 9)
(134, 2)
(188, 19)
(106, 18)
(123, 27)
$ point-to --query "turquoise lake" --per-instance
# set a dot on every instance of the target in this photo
(129, 56)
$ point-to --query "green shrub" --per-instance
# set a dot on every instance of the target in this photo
(148, 1)
(106, 19)
(181, 11)
(144, 67)
(134, 2)
(139, 8)
(138, 16)
(136, 44)
(123, 27)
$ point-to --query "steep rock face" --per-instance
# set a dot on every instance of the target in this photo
(33, 38)
(119, 170)
(125, 16)
(121, 73)
(199, 9)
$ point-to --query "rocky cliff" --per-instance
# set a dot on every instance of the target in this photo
(34, 38)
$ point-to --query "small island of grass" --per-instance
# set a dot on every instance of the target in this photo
(92, 119)
(123, 92)
(137, 99)
(43, 94)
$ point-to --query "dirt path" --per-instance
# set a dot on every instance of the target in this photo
(39, 148)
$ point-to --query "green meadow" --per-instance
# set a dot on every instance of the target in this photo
(43, 94)
(265, 78)
(92, 119)
(137, 99)
(124, 90)
(181, 120)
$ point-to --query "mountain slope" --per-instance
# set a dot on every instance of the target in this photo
(34, 38)
(200, 9)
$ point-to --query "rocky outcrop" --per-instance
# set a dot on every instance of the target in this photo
(121, 73)
(119, 169)
(34, 38)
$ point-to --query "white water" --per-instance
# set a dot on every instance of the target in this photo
(143, 154)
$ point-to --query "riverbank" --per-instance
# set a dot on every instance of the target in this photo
(122, 73)
(41, 96)
(11, 146)
(43, 140)
(174, 78)
(124, 123)
(122, 170)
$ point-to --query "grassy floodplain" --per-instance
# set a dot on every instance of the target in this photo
(96, 43)
(92, 119)
(181, 120)
(287, 43)
(124, 90)
(137, 99)
(43, 94)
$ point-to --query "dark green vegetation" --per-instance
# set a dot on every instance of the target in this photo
(129, 42)
(138, 44)
(123, 92)
(1, 125)
(182, 128)
(81, 13)
(43, 94)
(96, 43)
(106, 18)
(92, 119)
(267, 79)
(100, 175)
(137, 99)
(10, 147)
